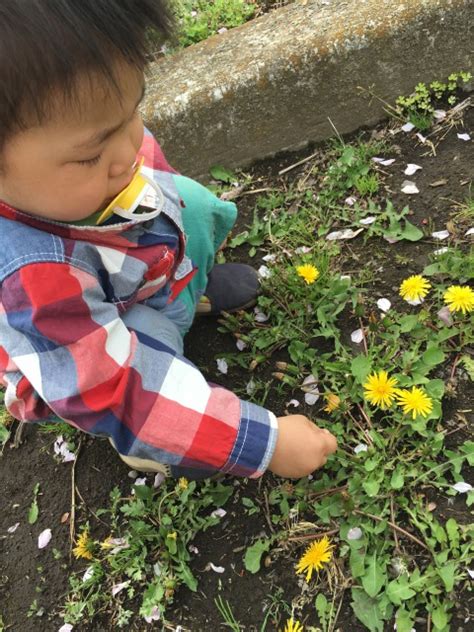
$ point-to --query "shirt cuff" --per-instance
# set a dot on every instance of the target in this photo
(255, 442)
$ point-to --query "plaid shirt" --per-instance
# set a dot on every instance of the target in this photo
(67, 349)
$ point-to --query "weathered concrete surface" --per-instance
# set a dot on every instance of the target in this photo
(271, 84)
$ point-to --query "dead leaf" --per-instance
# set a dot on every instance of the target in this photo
(65, 517)
(439, 183)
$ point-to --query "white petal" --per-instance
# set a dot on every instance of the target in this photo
(348, 233)
(368, 220)
(250, 388)
(88, 574)
(116, 588)
(216, 569)
(219, 513)
(61, 449)
(260, 317)
(391, 240)
(303, 250)
(222, 366)
(357, 336)
(421, 138)
(384, 304)
(350, 201)
(409, 188)
(408, 127)
(44, 538)
(440, 234)
(293, 402)
(311, 398)
(223, 29)
(345, 277)
(462, 487)
(132, 474)
(270, 258)
(361, 447)
(464, 137)
(193, 549)
(264, 272)
(240, 344)
(411, 169)
(439, 114)
(354, 534)
(159, 478)
(386, 162)
(441, 251)
(471, 573)
(154, 615)
(13, 528)
(140, 481)
(469, 232)
(415, 302)
(67, 627)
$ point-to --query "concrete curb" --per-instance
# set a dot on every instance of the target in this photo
(271, 84)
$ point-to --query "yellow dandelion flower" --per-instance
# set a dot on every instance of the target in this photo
(172, 536)
(293, 626)
(83, 546)
(308, 272)
(333, 402)
(380, 389)
(183, 483)
(459, 298)
(415, 288)
(415, 402)
(316, 555)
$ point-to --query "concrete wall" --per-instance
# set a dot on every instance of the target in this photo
(271, 84)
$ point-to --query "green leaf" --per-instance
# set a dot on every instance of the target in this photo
(399, 590)
(407, 323)
(254, 553)
(374, 577)
(452, 529)
(398, 480)
(404, 621)
(33, 511)
(356, 562)
(439, 617)
(361, 366)
(446, 573)
(411, 232)
(371, 487)
(321, 605)
(469, 366)
(222, 174)
(367, 610)
(433, 356)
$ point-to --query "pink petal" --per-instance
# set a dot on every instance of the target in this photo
(44, 538)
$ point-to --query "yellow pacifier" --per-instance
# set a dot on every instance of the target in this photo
(141, 190)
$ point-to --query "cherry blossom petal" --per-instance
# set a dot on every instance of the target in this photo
(293, 402)
(264, 272)
(355, 533)
(219, 513)
(222, 366)
(140, 481)
(270, 258)
(440, 234)
(409, 188)
(303, 250)
(13, 528)
(439, 114)
(159, 478)
(154, 615)
(384, 304)
(368, 220)
(441, 251)
(361, 447)
(116, 588)
(216, 569)
(44, 538)
(132, 474)
(464, 137)
(61, 449)
(88, 574)
(193, 549)
(67, 627)
(408, 127)
(357, 336)
(469, 232)
(471, 573)
(240, 344)
(462, 487)
(260, 316)
(350, 201)
(386, 162)
(348, 233)
(411, 169)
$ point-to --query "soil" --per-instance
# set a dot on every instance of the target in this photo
(28, 573)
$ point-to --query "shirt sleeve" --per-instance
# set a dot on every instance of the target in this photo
(77, 358)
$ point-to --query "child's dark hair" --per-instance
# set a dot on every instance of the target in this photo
(46, 44)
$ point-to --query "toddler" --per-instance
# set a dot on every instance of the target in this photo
(106, 254)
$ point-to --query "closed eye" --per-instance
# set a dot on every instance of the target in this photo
(91, 162)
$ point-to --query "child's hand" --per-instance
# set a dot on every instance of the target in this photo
(301, 447)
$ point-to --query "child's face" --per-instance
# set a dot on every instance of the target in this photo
(74, 164)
